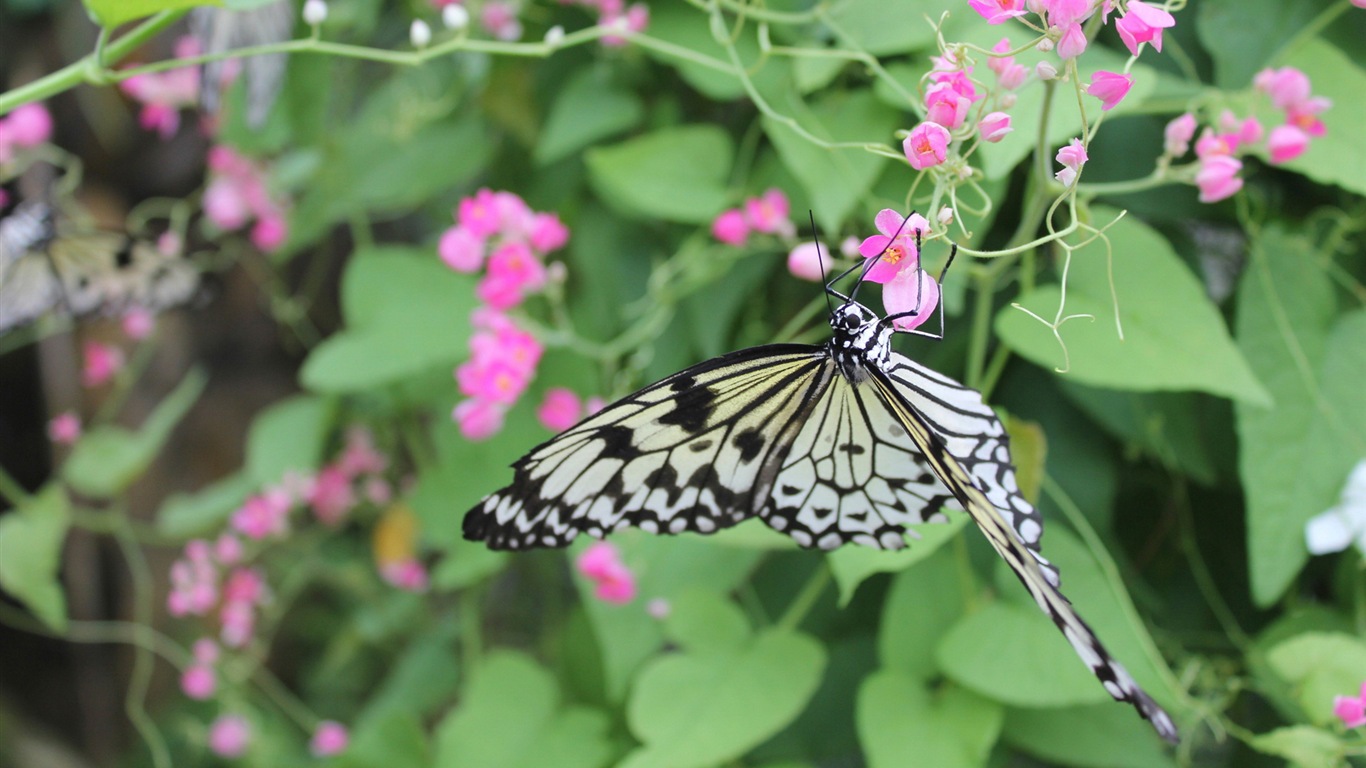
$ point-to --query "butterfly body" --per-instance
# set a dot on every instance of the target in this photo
(848, 442)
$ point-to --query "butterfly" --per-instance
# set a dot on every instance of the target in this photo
(847, 442)
(45, 268)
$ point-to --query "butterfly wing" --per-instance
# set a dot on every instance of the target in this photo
(28, 288)
(698, 451)
(999, 525)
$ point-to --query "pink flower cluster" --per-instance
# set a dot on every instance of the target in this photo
(561, 409)
(164, 94)
(100, 363)
(229, 736)
(196, 591)
(1217, 151)
(612, 581)
(1063, 19)
(329, 738)
(236, 196)
(949, 104)
(199, 680)
(27, 126)
(766, 214)
(896, 265)
(500, 234)
(333, 492)
(502, 363)
(614, 14)
(1351, 710)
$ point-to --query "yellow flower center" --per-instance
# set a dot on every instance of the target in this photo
(893, 254)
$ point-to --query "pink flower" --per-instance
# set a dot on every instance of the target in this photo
(998, 64)
(548, 233)
(658, 608)
(228, 549)
(164, 94)
(945, 106)
(269, 233)
(594, 404)
(225, 205)
(244, 585)
(138, 323)
(29, 125)
(1305, 115)
(808, 261)
(1178, 134)
(262, 515)
(329, 738)
(1110, 88)
(198, 682)
(895, 249)
(730, 227)
(1358, 3)
(331, 495)
(1013, 76)
(1286, 142)
(636, 19)
(1143, 23)
(64, 428)
(960, 82)
(994, 126)
(101, 362)
(1351, 710)
(998, 11)
(1218, 178)
(1072, 43)
(1072, 157)
(360, 457)
(478, 419)
(500, 19)
(1067, 12)
(913, 290)
(560, 409)
(229, 736)
(1210, 144)
(408, 575)
(1288, 87)
(768, 212)
(479, 214)
(205, 651)
(613, 581)
(926, 146)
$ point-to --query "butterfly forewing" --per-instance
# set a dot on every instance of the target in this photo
(694, 452)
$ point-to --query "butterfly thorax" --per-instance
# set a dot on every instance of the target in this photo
(860, 341)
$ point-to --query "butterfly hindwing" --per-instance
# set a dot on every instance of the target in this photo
(1021, 558)
(697, 451)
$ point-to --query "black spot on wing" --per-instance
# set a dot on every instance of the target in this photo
(692, 409)
(618, 443)
(750, 443)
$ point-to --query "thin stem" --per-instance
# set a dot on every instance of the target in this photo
(805, 600)
(144, 663)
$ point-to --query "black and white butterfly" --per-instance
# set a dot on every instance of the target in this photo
(848, 442)
(45, 268)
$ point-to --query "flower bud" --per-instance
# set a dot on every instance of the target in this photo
(454, 16)
(315, 12)
(420, 34)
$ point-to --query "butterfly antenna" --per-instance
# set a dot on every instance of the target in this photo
(869, 263)
(820, 261)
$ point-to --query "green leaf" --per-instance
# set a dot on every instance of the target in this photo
(420, 682)
(852, 565)
(706, 65)
(288, 436)
(202, 513)
(1099, 736)
(1339, 157)
(701, 621)
(111, 13)
(1320, 665)
(836, 179)
(31, 538)
(395, 738)
(510, 718)
(871, 26)
(920, 607)
(674, 174)
(1164, 425)
(109, 458)
(1243, 35)
(406, 313)
(693, 710)
(1303, 745)
(1174, 337)
(467, 563)
(1294, 458)
(903, 724)
(1013, 654)
(587, 109)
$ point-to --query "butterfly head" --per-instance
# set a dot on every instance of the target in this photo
(861, 339)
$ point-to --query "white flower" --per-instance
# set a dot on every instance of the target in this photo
(554, 35)
(1340, 526)
(420, 34)
(315, 12)
(455, 16)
